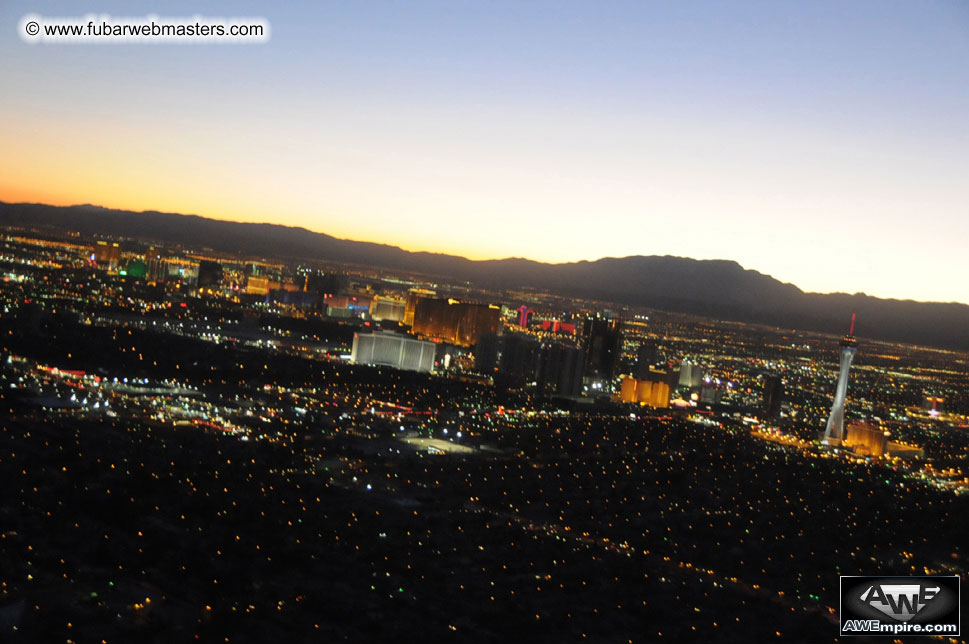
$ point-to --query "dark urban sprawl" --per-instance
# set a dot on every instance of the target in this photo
(197, 446)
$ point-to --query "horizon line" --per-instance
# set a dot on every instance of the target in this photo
(469, 259)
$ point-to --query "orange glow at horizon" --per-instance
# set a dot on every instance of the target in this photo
(16, 194)
(427, 195)
(498, 130)
(115, 165)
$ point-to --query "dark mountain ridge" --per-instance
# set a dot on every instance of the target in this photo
(716, 288)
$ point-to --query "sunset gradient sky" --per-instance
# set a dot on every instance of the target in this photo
(824, 143)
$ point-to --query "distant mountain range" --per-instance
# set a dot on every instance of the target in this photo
(717, 288)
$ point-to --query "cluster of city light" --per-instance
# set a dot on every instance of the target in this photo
(565, 484)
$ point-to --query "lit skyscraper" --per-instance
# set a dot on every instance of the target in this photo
(603, 349)
(392, 350)
(646, 357)
(834, 432)
(773, 396)
(448, 320)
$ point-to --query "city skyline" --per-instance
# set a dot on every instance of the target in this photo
(483, 321)
(215, 445)
(822, 145)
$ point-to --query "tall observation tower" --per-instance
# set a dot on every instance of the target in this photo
(834, 432)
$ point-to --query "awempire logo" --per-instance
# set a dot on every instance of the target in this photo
(896, 605)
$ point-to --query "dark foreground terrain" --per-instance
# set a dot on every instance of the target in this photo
(155, 534)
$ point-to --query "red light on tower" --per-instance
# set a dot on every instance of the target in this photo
(851, 331)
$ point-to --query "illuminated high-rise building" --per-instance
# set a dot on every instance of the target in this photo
(452, 321)
(410, 306)
(387, 308)
(646, 356)
(644, 392)
(654, 374)
(259, 285)
(834, 432)
(157, 268)
(866, 439)
(486, 352)
(107, 254)
(691, 375)
(324, 284)
(710, 391)
(210, 274)
(392, 350)
(560, 369)
(773, 396)
(602, 340)
(519, 357)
